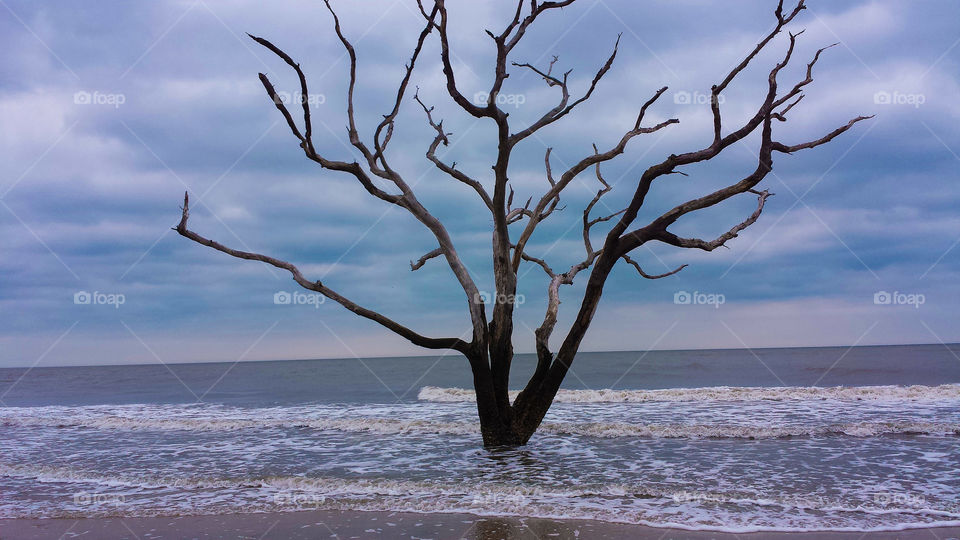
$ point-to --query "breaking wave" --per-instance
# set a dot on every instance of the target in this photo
(724, 393)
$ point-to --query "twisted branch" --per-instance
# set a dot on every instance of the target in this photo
(415, 338)
(643, 274)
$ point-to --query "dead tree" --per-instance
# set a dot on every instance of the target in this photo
(490, 348)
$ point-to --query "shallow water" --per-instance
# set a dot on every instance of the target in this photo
(757, 449)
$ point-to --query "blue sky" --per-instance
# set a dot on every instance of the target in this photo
(111, 110)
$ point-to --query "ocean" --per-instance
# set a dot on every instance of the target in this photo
(811, 439)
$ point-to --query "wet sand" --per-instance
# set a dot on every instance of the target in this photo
(351, 524)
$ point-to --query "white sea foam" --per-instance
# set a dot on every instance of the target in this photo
(647, 505)
(147, 420)
(724, 393)
(699, 431)
(356, 424)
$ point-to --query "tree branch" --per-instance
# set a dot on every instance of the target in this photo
(352, 133)
(451, 80)
(589, 223)
(415, 338)
(540, 262)
(388, 119)
(807, 80)
(717, 89)
(762, 117)
(414, 266)
(594, 159)
(562, 109)
(779, 147)
(406, 199)
(643, 274)
(304, 94)
(451, 170)
(672, 239)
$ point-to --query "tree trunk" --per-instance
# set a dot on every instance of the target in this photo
(497, 419)
(495, 429)
(535, 400)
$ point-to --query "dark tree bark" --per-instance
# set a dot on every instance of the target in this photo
(490, 349)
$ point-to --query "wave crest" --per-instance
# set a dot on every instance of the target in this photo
(724, 393)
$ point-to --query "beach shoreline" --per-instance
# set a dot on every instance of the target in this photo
(719, 450)
(362, 524)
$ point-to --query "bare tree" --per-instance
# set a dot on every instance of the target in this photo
(490, 349)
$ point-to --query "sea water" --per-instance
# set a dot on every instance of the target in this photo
(860, 439)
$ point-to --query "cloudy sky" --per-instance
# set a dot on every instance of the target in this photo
(112, 110)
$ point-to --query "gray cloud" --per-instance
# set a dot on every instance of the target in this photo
(89, 191)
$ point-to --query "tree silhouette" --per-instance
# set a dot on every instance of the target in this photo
(490, 349)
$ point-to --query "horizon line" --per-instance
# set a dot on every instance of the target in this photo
(850, 347)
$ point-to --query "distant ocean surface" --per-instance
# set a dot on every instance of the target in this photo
(857, 439)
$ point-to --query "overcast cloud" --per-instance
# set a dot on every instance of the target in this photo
(112, 109)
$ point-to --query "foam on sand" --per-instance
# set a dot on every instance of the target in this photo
(645, 504)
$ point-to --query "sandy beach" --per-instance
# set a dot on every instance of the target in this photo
(351, 524)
